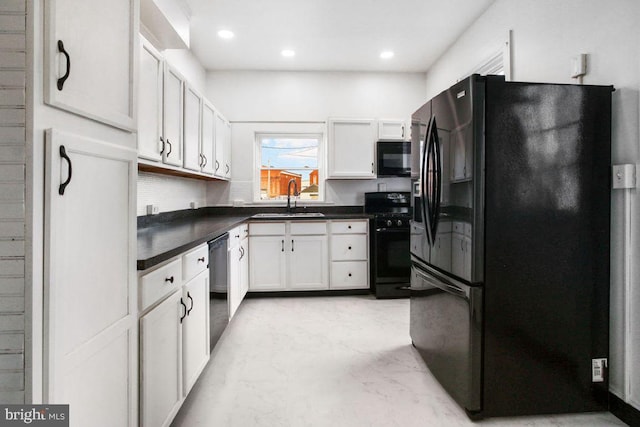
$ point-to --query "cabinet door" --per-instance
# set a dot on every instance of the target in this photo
(172, 117)
(227, 150)
(150, 104)
(161, 362)
(90, 59)
(191, 128)
(266, 263)
(195, 329)
(234, 260)
(351, 148)
(220, 166)
(392, 129)
(308, 263)
(244, 268)
(89, 280)
(207, 147)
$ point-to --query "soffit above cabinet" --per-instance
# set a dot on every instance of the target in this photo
(165, 23)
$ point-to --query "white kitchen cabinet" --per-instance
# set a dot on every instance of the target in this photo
(195, 329)
(222, 162)
(90, 59)
(172, 150)
(174, 334)
(351, 148)
(295, 252)
(150, 103)
(191, 129)
(90, 295)
(238, 266)
(161, 387)
(349, 254)
(308, 264)
(392, 130)
(208, 138)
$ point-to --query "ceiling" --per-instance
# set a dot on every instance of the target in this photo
(329, 35)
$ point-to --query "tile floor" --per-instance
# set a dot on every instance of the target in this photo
(330, 361)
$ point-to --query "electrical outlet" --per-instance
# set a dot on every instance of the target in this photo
(598, 367)
(579, 66)
(153, 210)
(194, 205)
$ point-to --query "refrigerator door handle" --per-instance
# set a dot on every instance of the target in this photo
(449, 288)
(423, 184)
(437, 181)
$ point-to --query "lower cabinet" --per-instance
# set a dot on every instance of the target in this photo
(303, 255)
(238, 267)
(174, 336)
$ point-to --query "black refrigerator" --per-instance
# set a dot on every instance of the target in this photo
(510, 245)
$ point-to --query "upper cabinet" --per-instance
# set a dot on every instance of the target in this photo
(90, 59)
(150, 103)
(351, 148)
(172, 117)
(392, 129)
(193, 159)
(222, 168)
(180, 132)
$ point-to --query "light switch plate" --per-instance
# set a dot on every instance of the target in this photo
(624, 176)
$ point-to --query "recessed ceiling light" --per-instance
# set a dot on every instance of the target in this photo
(225, 34)
(287, 53)
(387, 54)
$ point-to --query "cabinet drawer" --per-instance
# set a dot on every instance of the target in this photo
(194, 262)
(301, 228)
(349, 227)
(267, 228)
(349, 275)
(349, 247)
(160, 282)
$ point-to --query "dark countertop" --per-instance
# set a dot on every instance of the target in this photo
(161, 237)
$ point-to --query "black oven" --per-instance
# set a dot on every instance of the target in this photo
(390, 252)
(393, 158)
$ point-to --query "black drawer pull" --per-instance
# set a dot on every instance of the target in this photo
(185, 310)
(169, 279)
(190, 308)
(63, 186)
(201, 259)
(349, 274)
(64, 78)
(349, 247)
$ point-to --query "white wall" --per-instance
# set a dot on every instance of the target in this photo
(546, 35)
(188, 65)
(298, 97)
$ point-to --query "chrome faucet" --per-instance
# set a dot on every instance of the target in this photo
(295, 193)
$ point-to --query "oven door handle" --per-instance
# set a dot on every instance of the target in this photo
(392, 230)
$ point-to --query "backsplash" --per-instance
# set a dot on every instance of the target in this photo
(169, 193)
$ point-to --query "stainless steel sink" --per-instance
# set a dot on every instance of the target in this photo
(289, 215)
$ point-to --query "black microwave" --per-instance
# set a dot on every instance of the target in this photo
(394, 158)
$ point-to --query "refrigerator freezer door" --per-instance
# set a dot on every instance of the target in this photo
(446, 321)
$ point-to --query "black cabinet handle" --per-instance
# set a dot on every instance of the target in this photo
(64, 78)
(200, 163)
(205, 160)
(349, 274)
(185, 310)
(217, 166)
(201, 259)
(282, 246)
(349, 227)
(190, 308)
(63, 186)
(169, 279)
(163, 145)
(402, 131)
(170, 147)
(349, 247)
(227, 168)
(291, 245)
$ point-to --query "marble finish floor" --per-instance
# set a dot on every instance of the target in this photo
(330, 361)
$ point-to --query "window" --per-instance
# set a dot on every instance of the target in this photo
(286, 157)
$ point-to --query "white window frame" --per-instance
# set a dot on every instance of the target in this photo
(258, 136)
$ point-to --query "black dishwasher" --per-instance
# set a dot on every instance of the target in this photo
(218, 288)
